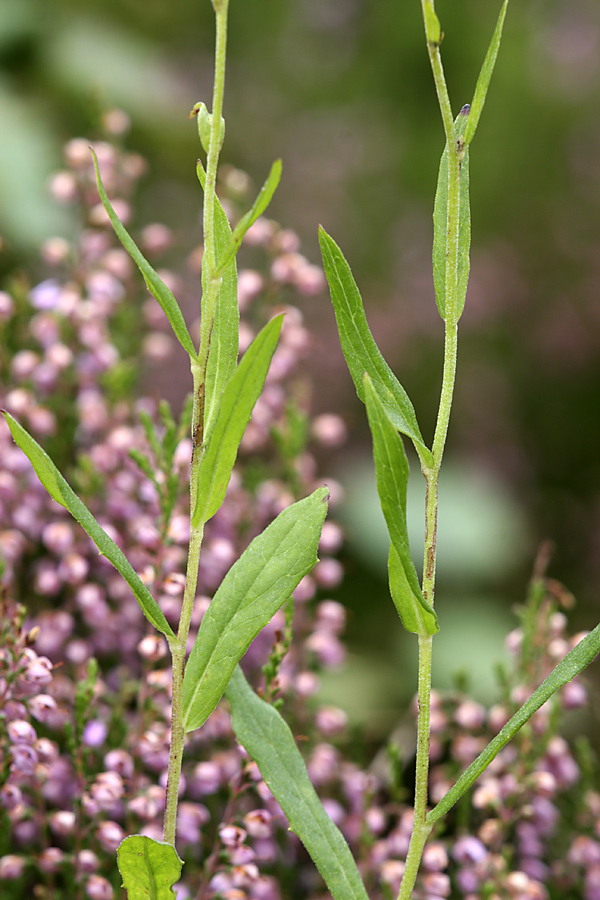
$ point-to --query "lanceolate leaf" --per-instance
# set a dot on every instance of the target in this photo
(440, 227)
(149, 868)
(224, 342)
(485, 75)
(255, 587)
(360, 350)
(391, 469)
(240, 395)
(574, 662)
(60, 491)
(258, 207)
(155, 284)
(267, 738)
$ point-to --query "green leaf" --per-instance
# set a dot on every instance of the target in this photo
(573, 663)
(440, 225)
(224, 339)
(483, 82)
(60, 491)
(269, 741)
(155, 284)
(149, 868)
(257, 209)
(391, 469)
(255, 587)
(235, 409)
(360, 350)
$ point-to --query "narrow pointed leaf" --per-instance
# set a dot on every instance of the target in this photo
(440, 227)
(60, 491)
(240, 395)
(267, 738)
(391, 469)
(573, 663)
(224, 339)
(257, 209)
(149, 868)
(255, 587)
(483, 82)
(154, 283)
(360, 350)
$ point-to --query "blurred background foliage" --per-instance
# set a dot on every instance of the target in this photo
(341, 90)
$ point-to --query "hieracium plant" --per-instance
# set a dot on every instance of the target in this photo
(225, 392)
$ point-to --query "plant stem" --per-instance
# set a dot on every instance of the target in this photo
(421, 828)
(210, 294)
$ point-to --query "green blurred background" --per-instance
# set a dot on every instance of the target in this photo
(342, 91)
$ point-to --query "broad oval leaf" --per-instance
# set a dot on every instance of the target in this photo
(573, 663)
(154, 283)
(255, 587)
(234, 411)
(360, 350)
(267, 738)
(440, 228)
(149, 868)
(483, 82)
(60, 491)
(391, 469)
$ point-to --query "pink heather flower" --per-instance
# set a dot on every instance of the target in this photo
(10, 796)
(46, 294)
(98, 888)
(152, 647)
(58, 537)
(120, 761)
(110, 834)
(11, 867)
(328, 573)
(470, 715)
(94, 733)
(573, 695)
(21, 732)
(206, 778)
(23, 364)
(331, 616)
(306, 684)
(87, 861)
(232, 835)
(332, 538)
(330, 720)
(62, 822)
(435, 857)
(375, 819)
(6, 305)
(469, 850)
(258, 823)
(23, 759)
(329, 430)
(143, 806)
(323, 764)
(51, 859)
(250, 284)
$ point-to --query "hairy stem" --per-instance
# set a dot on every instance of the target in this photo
(421, 827)
(209, 301)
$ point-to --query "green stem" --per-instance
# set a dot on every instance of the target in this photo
(198, 367)
(212, 284)
(421, 826)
